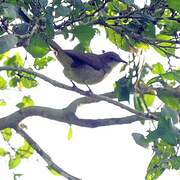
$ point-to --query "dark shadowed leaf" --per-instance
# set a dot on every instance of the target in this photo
(7, 42)
(62, 11)
(140, 140)
(9, 10)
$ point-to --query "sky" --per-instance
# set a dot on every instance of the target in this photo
(105, 153)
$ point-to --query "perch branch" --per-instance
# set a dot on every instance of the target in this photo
(77, 90)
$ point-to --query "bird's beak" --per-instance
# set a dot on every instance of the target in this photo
(120, 60)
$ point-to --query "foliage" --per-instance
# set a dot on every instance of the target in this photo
(155, 87)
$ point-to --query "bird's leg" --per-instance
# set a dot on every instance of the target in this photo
(89, 89)
(73, 85)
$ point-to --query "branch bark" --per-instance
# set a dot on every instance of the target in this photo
(85, 93)
(44, 155)
(63, 115)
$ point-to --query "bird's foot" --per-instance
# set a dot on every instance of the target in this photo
(89, 92)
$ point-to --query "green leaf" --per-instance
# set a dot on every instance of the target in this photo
(28, 82)
(14, 162)
(172, 114)
(78, 4)
(152, 136)
(9, 10)
(26, 102)
(14, 82)
(166, 131)
(157, 68)
(169, 99)
(3, 152)
(140, 140)
(7, 42)
(70, 133)
(174, 5)
(62, 11)
(117, 39)
(21, 29)
(3, 83)
(123, 88)
(130, 2)
(41, 63)
(2, 102)
(175, 162)
(7, 134)
(17, 175)
(149, 99)
(139, 103)
(25, 151)
(154, 169)
(43, 3)
(149, 30)
(49, 22)
(177, 75)
(15, 61)
(53, 171)
(38, 46)
(84, 34)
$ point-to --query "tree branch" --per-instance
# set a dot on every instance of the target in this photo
(65, 116)
(44, 155)
(77, 90)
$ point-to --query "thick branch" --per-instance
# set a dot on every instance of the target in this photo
(85, 93)
(64, 116)
(44, 155)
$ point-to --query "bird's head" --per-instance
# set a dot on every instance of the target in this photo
(112, 57)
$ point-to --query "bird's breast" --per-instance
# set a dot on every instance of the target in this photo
(84, 74)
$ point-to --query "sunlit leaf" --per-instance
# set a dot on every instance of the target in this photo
(149, 99)
(26, 102)
(7, 134)
(70, 133)
(25, 151)
(3, 152)
(3, 83)
(2, 102)
(14, 162)
(41, 63)
(157, 68)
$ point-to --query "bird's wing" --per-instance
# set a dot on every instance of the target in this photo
(81, 58)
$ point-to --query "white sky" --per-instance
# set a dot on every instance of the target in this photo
(106, 153)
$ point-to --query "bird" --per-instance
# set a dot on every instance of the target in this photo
(85, 68)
